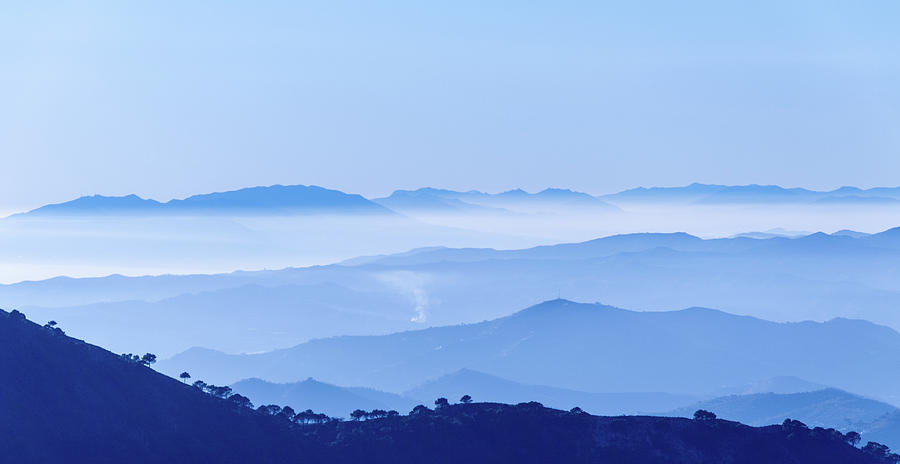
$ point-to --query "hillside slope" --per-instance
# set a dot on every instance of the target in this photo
(64, 400)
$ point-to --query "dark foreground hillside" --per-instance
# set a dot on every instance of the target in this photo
(63, 400)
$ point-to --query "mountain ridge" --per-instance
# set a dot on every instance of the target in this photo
(273, 199)
(693, 349)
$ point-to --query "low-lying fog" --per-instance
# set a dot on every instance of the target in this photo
(43, 247)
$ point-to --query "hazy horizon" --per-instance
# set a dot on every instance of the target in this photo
(170, 99)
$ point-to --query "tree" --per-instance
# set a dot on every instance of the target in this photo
(270, 409)
(704, 415)
(51, 325)
(378, 413)
(218, 392)
(876, 449)
(466, 399)
(441, 402)
(147, 359)
(184, 376)
(392, 413)
(791, 424)
(287, 413)
(358, 414)
(200, 384)
(241, 401)
(576, 410)
(852, 438)
(305, 416)
(420, 409)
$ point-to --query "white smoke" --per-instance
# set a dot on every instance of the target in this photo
(413, 285)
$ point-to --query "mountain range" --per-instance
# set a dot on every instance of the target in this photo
(761, 403)
(440, 200)
(301, 199)
(712, 194)
(586, 347)
(814, 277)
(275, 199)
(75, 402)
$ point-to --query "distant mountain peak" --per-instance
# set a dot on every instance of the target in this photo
(562, 304)
(273, 199)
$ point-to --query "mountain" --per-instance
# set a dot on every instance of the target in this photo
(301, 199)
(64, 400)
(551, 200)
(425, 200)
(815, 277)
(586, 347)
(743, 194)
(489, 388)
(100, 205)
(779, 384)
(248, 318)
(281, 199)
(850, 233)
(772, 233)
(827, 408)
(321, 397)
(875, 420)
(271, 200)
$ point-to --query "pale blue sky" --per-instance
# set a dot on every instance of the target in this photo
(170, 98)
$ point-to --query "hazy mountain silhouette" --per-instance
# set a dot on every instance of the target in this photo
(489, 388)
(547, 200)
(75, 402)
(275, 199)
(691, 351)
(248, 318)
(816, 277)
(850, 233)
(772, 233)
(425, 200)
(778, 384)
(723, 194)
(322, 397)
(826, 408)
(301, 199)
(99, 204)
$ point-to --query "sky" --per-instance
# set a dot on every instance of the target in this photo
(168, 98)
